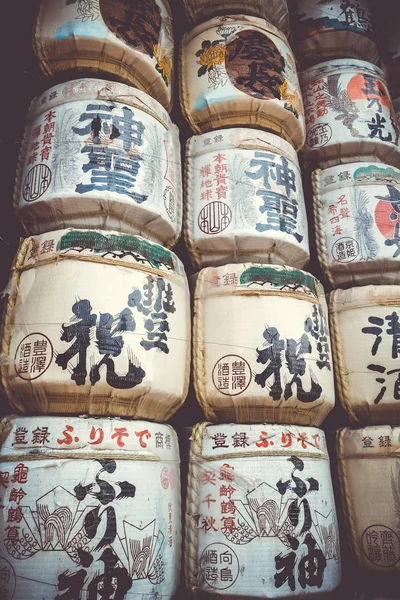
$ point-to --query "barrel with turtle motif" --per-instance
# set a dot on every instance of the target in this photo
(260, 513)
(96, 322)
(244, 200)
(239, 70)
(357, 223)
(274, 11)
(100, 155)
(261, 347)
(349, 114)
(365, 332)
(89, 505)
(369, 471)
(126, 41)
(333, 29)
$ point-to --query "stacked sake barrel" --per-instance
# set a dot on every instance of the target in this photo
(262, 365)
(353, 149)
(97, 317)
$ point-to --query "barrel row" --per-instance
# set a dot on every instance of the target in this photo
(116, 165)
(101, 500)
(99, 322)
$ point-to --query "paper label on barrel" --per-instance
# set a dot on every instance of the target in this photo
(360, 207)
(231, 440)
(73, 436)
(319, 17)
(82, 528)
(345, 106)
(97, 149)
(110, 246)
(103, 329)
(243, 192)
(267, 524)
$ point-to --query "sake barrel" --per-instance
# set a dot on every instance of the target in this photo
(333, 29)
(240, 71)
(89, 505)
(260, 515)
(96, 322)
(349, 114)
(261, 349)
(365, 332)
(100, 155)
(369, 469)
(244, 199)
(131, 42)
(356, 207)
(275, 11)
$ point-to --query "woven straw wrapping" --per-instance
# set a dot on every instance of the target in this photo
(323, 31)
(112, 39)
(353, 224)
(124, 176)
(224, 474)
(247, 319)
(227, 218)
(111, 333)
(341, 114)
(274, 11)
(86, 490)
(219, 89)
(364, 350)
(369, 471)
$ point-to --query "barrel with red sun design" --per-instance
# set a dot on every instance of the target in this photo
(348, 114)
(357, 218)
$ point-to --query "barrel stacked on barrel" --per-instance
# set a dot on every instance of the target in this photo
(97, 319)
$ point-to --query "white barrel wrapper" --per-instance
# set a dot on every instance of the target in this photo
(89, 504)
(98, 154)
(357, 214)
(260, 510)
(366, 347)
(244, 200)
(348, 114)
(261, 347)
(240, 71)
(127, 41)
(369, 470)
(96, 322)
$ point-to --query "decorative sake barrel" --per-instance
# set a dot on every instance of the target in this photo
(260, 514)
(96, 322)
(365, 341)
(348, 114)
(261, 348)
(369, 470)
(244, 200)
(274, 11)
(89, 505)
(240, 71)
(333, 29)
(123, 40)
(357, 223)
(100, 155)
